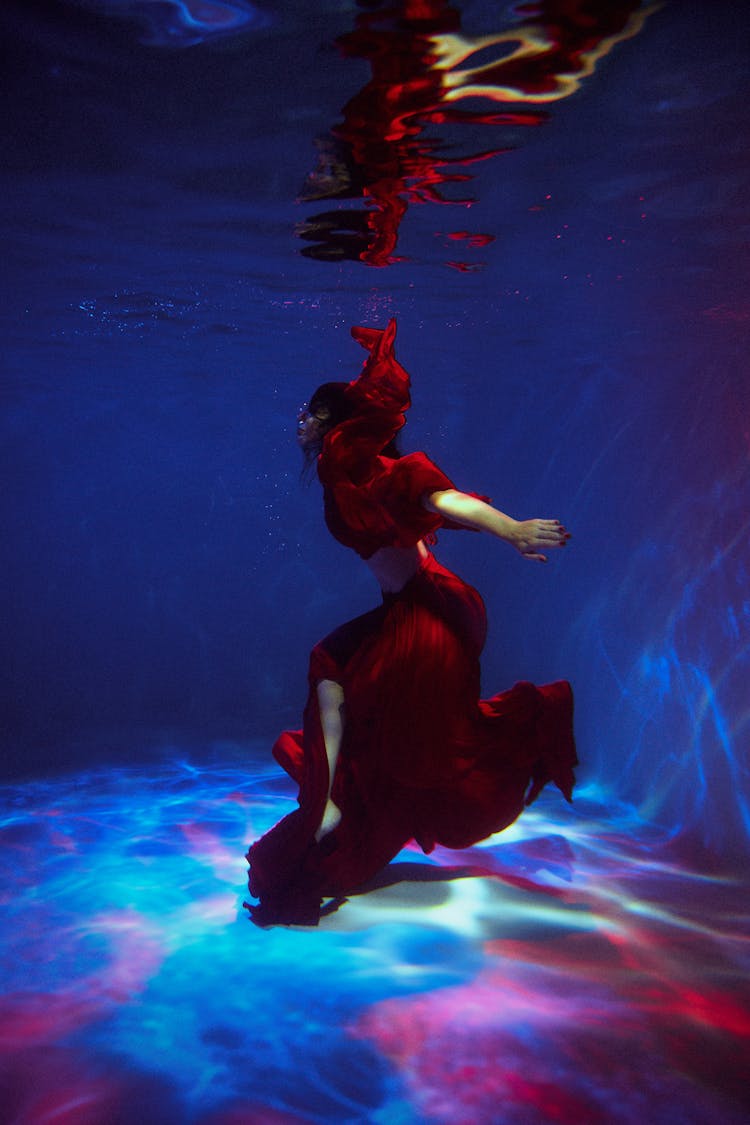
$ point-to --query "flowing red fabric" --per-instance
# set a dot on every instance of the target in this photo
(422, 757)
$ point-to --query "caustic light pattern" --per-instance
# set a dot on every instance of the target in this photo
(576, 973)
(182, 23)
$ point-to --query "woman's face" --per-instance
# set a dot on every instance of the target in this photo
(312, 428)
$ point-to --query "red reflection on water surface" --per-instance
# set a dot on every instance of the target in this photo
(420, 67)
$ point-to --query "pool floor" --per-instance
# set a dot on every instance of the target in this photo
(580, 967)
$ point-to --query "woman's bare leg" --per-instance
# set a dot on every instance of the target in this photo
(331, 707)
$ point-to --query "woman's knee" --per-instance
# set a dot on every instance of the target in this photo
(330, 695)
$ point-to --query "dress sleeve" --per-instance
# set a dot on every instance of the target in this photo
(380, 399)
(414, 476)
(405, 485)
(410, 479)
(382, 381)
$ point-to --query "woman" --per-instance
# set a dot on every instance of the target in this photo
(396, 742)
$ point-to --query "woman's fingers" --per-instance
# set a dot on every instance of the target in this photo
(537, 534)
(552, 531)
(546, 534)
(549, 538)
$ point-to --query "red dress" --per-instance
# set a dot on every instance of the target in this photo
(422, 757)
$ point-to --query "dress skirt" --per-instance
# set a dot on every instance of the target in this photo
(422, 757)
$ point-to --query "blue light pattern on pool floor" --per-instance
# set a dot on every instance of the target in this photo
(573, 969)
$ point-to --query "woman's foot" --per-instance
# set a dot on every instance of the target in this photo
(331, 819)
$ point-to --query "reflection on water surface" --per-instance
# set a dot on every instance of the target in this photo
(388, 149)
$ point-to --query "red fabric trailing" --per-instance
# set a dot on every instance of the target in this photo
(422, 757)
(370, 500)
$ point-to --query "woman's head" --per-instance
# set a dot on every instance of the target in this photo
(328, 407)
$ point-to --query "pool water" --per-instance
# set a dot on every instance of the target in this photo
(198, 201)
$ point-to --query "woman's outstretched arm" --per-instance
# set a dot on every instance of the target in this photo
(529, 537)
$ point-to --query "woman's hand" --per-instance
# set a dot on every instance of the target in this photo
(531, 537)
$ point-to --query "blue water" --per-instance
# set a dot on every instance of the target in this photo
(577, 333)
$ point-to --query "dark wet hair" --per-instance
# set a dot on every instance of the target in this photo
(333, 398)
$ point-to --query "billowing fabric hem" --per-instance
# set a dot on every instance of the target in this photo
(422, 757)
